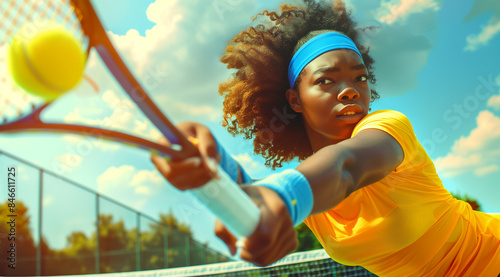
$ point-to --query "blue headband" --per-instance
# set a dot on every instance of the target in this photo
(315, 47)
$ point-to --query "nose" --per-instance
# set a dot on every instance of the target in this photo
(347, 94)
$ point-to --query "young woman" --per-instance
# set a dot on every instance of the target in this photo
(365, 185)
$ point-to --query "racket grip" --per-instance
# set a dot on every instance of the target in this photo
(228, 202)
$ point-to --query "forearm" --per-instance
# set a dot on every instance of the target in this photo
(329, 177)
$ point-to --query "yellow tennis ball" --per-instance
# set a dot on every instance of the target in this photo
(47, 62)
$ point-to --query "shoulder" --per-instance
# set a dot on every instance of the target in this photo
(396, 124)
(383, 118)
(390, 121)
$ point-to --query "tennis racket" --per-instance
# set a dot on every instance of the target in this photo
(20, 114)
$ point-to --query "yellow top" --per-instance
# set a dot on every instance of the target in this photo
(408, 224)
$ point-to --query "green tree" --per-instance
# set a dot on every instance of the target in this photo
(170, 220)
(20, 235)
(306, 238)
(471, 201)
(117, 246)
(182, 249)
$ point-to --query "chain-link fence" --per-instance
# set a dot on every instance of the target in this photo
(95, 234)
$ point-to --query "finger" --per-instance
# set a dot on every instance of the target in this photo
(191, 180)
(188, 128)
(208, 162)
(225, 236)
(274, 252)
(166, 167)
(207, 144)
(161, 164)
(286, 244)
(208, 150)
(270, 230)
(186, 174)
(257, 247)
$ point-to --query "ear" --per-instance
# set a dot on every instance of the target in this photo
(293, 98)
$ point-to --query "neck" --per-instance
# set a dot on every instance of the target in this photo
(319, 140)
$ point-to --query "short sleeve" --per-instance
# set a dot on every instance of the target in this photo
(398, 126)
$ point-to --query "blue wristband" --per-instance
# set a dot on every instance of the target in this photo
(295, 191)
(230, 165)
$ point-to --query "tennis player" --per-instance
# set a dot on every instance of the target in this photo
(365, 185)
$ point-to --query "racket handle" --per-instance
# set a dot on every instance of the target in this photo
(228, 202)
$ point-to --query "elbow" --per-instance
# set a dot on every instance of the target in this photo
(348, 183)
(350, 179)
(355, 176)
(332, 174)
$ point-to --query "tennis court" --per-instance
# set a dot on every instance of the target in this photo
(150, 248)
(309, 263)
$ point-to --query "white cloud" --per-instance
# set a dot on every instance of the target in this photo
(475, 153)
(248, 163)
(136, 48)
(146, 176)
(115, 178)
(143, 190)
(128, 177)
(89, 143)
(400, 11)
(486, 170)
(25, 173)
(406, 33)
(133, 186)
(122, 116)
(487, 33)
(486, 133)
(178, 58)
(452, 164)
(69, 161)
(494, 102)
(76, 116)
(204, 111)
(116, 102)
(47, 201)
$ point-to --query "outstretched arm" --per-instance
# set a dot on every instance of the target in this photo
(333, 173)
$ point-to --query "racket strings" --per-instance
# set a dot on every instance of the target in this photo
(14, 103)
(26, 18)
(35, 14)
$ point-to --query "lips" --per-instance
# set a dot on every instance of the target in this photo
(349, 110)
(350, 114)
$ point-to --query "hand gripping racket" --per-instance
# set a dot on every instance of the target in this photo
(223, 197)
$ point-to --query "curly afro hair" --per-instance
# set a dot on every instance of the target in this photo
(255, 103)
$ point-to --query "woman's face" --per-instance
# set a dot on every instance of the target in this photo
(334, 96)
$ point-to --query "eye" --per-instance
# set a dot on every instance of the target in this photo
(362, 78)
(323, 82)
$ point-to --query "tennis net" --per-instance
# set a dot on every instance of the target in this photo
(309, 263)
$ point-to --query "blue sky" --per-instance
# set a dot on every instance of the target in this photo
(436, 61)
